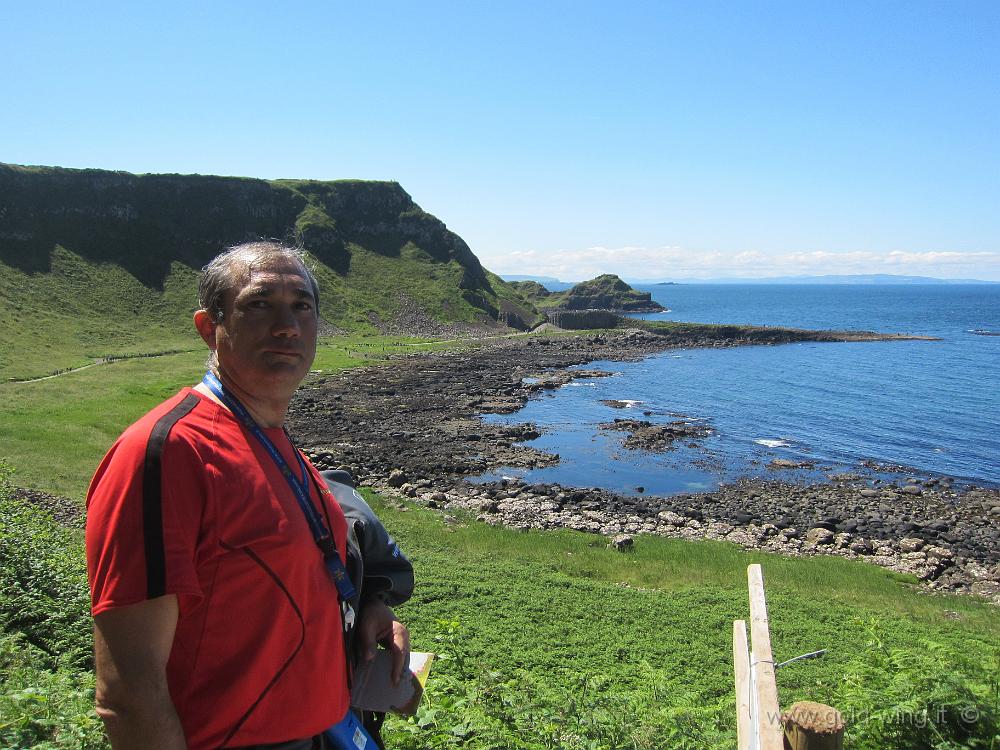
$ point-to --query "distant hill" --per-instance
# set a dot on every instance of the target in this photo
(549, 282)
(873, 278)
(95, 262)
(607, 292)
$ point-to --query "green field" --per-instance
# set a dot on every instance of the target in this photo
(54, 431)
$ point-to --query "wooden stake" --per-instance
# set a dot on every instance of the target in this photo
(762, 665)
(813, 726)
(741, 666)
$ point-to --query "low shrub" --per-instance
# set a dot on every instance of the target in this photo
(43, 581)
(926, 696)
(468, 704)
(45, 703)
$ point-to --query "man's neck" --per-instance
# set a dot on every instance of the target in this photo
(266, 412)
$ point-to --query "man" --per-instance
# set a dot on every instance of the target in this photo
(213, 547)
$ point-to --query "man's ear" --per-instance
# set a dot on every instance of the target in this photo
(206, 325)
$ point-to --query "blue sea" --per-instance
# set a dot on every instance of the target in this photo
(923, 408)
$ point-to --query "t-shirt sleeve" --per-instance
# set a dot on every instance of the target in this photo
(144, 519)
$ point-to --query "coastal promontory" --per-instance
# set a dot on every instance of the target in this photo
(606, 292)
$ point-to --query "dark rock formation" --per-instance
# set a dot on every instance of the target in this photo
(644, 435)
(607, 293)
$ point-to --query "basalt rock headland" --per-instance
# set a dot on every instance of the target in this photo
(605, 292)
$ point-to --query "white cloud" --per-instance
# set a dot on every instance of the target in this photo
(668, 262)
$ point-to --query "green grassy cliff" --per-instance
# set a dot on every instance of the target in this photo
(96, 263)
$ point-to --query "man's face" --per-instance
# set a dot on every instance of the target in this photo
(266, 340)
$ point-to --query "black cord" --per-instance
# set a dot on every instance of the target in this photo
(302, 639)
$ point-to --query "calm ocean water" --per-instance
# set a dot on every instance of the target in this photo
(931, 406)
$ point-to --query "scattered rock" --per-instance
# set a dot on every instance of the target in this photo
(615, 403)
(622, 543)
(644, 435)
(420, 416)
(397, 478)
(785, 463)
(670, 518)
(941, 554)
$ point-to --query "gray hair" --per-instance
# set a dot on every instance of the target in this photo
(231, 269)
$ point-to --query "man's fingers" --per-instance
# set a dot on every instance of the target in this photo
(380, 626)
(400, 647)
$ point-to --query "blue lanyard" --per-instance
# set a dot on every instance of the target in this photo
(300, 488)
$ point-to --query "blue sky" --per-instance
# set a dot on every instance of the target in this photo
(655, 140)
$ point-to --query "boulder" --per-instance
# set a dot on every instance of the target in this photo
(784, 463)
(941, 554)
(860, 546)
(911, 544)
(819, 536)
(669, 518)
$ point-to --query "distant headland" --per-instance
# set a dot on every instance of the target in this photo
(554, 284)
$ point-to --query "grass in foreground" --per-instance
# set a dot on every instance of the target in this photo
(550, 640)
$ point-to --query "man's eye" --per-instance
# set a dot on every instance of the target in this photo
(304, 306)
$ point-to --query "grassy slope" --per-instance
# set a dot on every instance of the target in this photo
(377, 284)
(82, 311)
(53, 432)
(510, 298)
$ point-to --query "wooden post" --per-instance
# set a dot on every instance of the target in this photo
(765, 691)
(813, 726)
(741, 666)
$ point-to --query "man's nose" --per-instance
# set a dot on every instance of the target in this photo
(285, 322)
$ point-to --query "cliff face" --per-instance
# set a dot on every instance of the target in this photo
(377, 241)
(139, 222)
(379, 216)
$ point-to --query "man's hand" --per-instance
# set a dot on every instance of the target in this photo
(378, 624)
(131, 648)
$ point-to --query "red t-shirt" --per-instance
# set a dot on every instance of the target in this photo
(258, 654)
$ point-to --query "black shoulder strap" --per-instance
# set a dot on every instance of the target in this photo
(152, 497)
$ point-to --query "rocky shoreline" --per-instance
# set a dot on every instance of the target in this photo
(412, 428)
